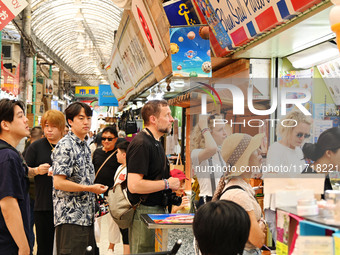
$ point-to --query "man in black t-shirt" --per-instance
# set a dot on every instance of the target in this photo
(148, 173)
(14, 184)
(38, 157)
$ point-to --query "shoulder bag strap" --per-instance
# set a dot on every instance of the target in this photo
(100, 168)
(231, 187)
(212, 178)
(114, 181)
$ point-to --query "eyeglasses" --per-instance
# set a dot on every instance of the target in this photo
(303, 135)
(107, 138)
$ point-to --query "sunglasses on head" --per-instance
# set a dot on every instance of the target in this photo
(303, 135)
(107, 138)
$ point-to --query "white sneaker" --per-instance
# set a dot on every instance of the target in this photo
(109, 252)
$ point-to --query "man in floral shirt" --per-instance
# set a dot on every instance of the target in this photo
(73, 191)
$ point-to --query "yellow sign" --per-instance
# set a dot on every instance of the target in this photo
(86, 91)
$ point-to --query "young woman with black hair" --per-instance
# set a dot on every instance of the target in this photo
(325, 154)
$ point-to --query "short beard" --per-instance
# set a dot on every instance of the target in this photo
(164, 130)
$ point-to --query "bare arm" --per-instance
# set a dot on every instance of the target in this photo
(256, 235)
(60, 182)
(136, 184)
(210, 144)
(41, 169)
(13, 219)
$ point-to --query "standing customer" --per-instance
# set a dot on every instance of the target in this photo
(148, 172)
(73, 197)
(36, 134)
(242, 153)
(120, 178)
(286, 152)
(14, 184)
(38, 156)
(207, 140)
(325, 154)
(105, 160)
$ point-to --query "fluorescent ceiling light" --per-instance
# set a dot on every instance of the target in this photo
(314, 56)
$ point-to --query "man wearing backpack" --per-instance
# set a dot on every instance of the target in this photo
(14, 184)
(148, 173)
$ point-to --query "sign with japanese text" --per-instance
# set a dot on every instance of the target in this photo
(86, 91)
(119, 78)
(9, 9)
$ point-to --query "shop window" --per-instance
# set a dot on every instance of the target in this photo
(7, 51)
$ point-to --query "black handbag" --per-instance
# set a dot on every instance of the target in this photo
(131, 124)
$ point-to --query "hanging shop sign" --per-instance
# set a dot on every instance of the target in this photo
(9, 9)
(119, 78)
(217, 33)
(180, 13)
(330, 72)
(245, 20)
(86, 91)
(190, 51)
(149, 33)
(48, 87)
(132, 53)
(106, 97)
(9, 81)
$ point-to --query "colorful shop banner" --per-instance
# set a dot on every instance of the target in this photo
(86, 91)
(210, 16)
(330, 73)
(245, 20)
(180, 13)
(9, 9)
(190, 51)
(149, 32)
(10, 81)
(119, 78)
(106, 97)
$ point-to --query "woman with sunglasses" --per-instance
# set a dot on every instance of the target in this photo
(287, 152)
(207, 139)
(105, 176)
(325, 154)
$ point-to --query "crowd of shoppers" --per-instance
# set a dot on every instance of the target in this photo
(67, 179)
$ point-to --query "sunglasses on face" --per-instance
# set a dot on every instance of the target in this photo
(299, 135)
(107, 138)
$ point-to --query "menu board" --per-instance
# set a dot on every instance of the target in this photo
(330, 72)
